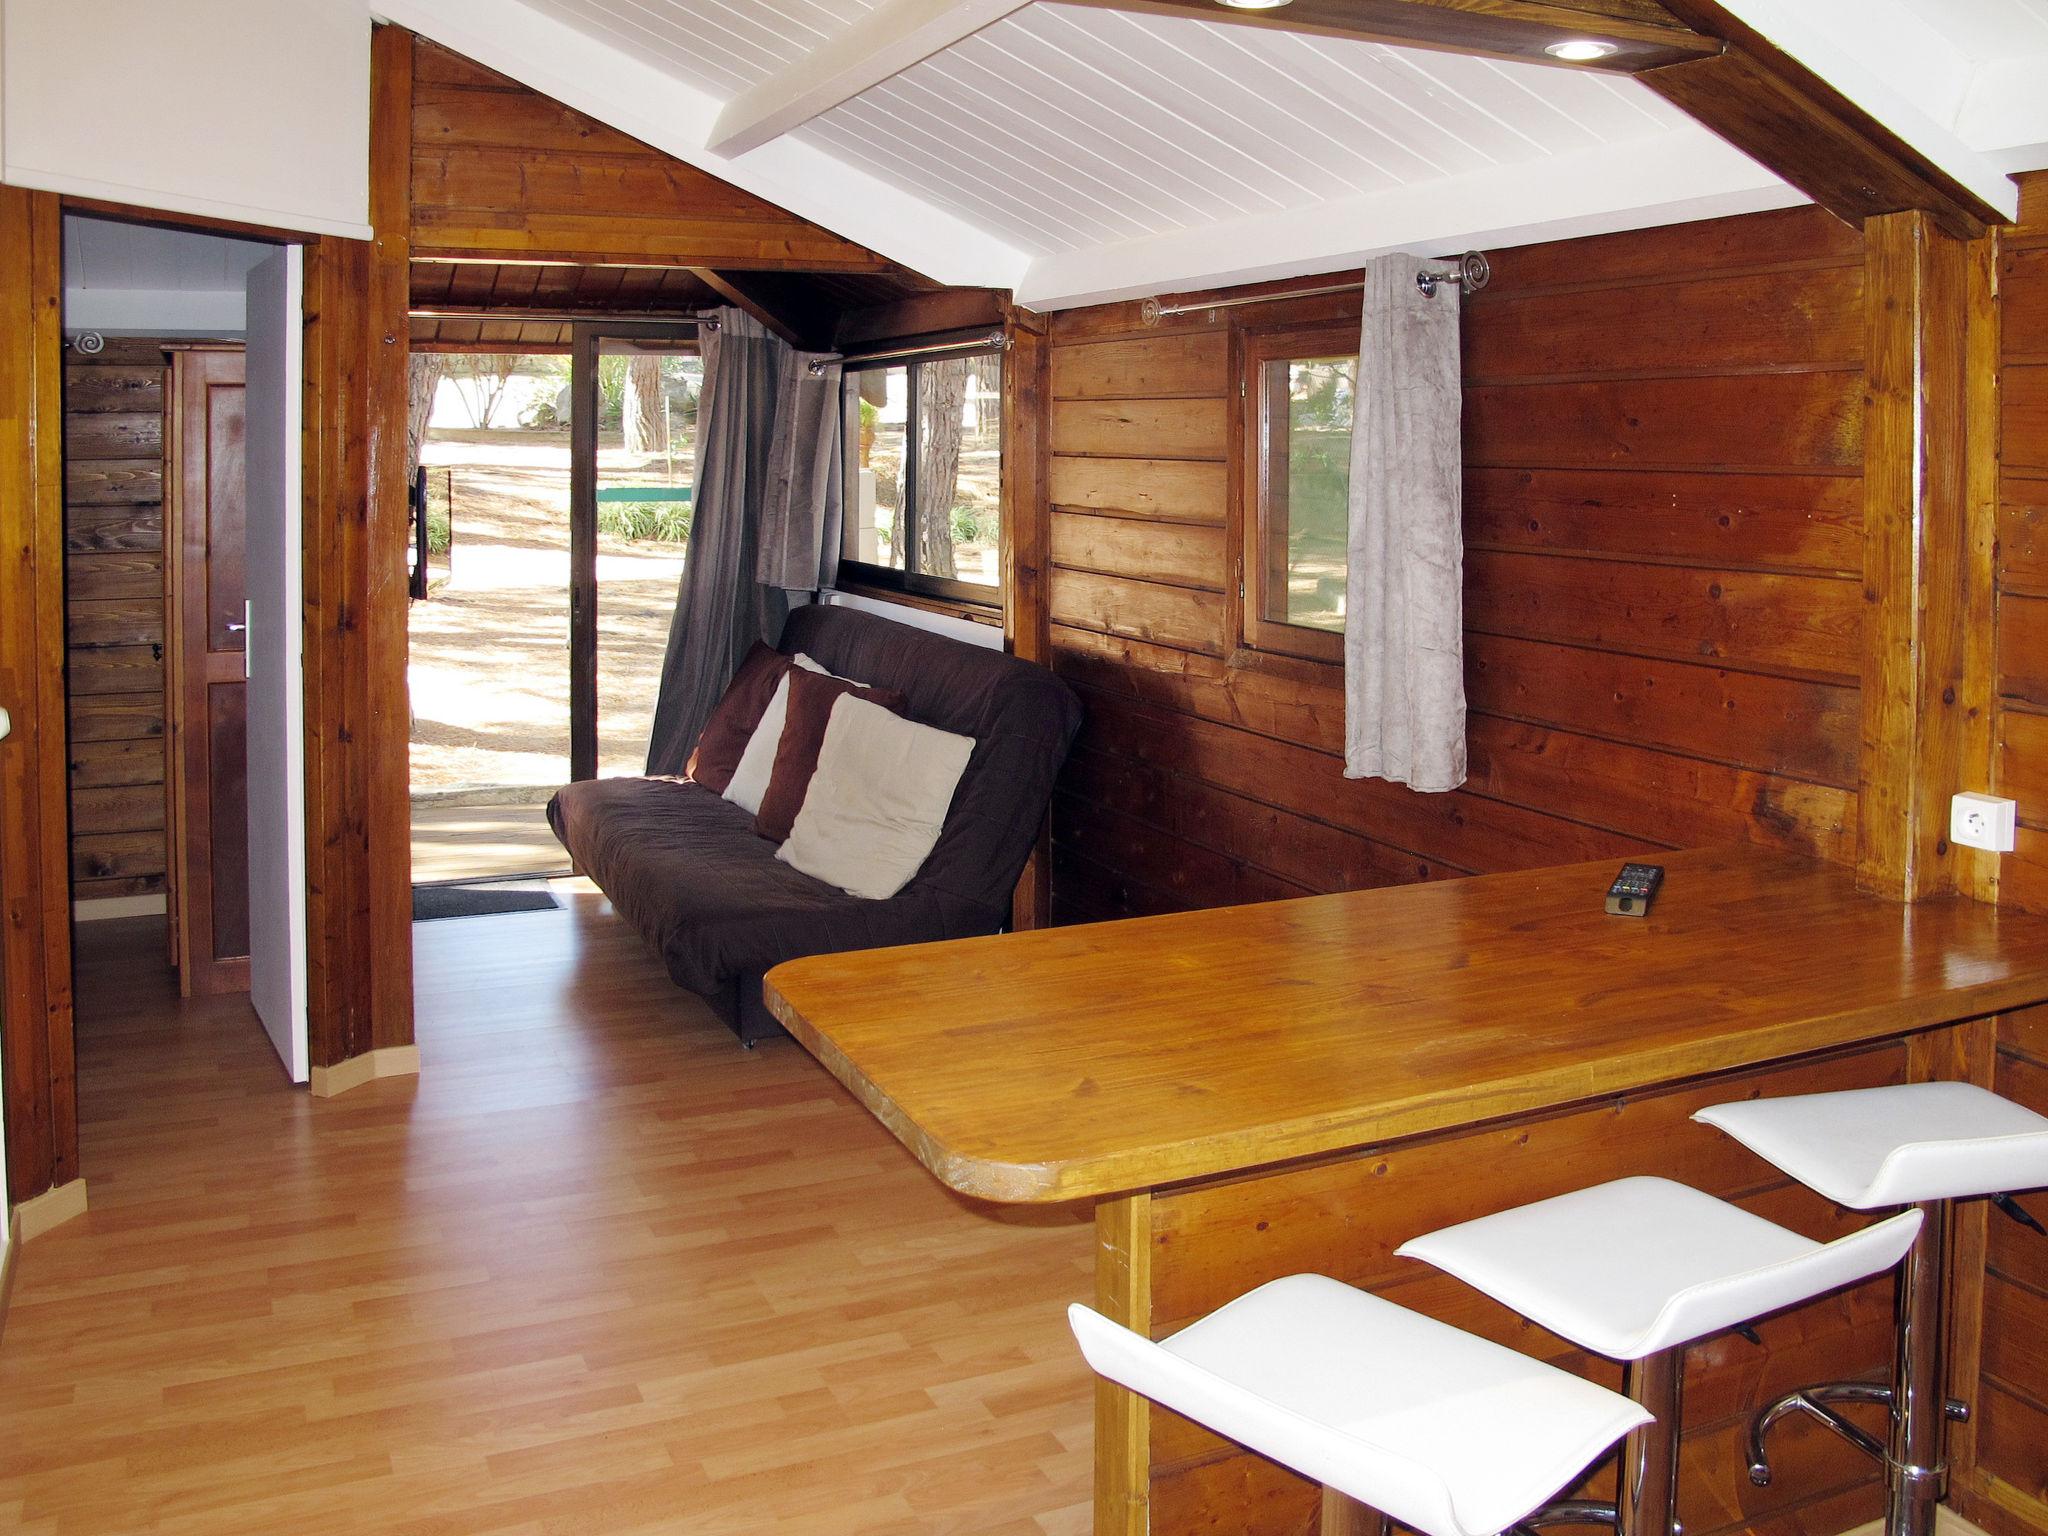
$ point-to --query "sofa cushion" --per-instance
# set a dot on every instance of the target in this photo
(749, 780)
(738, 712)
(879, 801)
(811, 698)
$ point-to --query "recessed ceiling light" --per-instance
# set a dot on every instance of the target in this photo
(1253, 5)
(1581, 50)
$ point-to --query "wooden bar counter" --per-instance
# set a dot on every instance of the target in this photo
(1302, 1085)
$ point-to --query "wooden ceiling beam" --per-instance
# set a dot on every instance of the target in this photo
(884, 42)
(779, 304)
(1642, 32)
(1790, 120)
(1698, 56)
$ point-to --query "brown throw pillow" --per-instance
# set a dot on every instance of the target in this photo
(726, 733)
(811, 697)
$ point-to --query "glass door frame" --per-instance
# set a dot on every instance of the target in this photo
(586, 339)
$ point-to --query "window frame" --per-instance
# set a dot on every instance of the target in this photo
(887, 580)
(1255, 549)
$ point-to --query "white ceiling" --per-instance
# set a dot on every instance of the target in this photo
(145, 279)
(1078, 154)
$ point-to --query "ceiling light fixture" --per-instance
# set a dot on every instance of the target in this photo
(1253, 5)
(1581, 50)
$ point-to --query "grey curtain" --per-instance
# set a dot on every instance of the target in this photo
(764, 535)
(719, 610)
(1404, 637)
(804, 500)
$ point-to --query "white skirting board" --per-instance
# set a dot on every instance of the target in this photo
(98, 909)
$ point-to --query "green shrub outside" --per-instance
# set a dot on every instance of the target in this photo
(666, 522)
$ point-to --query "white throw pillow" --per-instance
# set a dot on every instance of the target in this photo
(878, 800)
(757, 762)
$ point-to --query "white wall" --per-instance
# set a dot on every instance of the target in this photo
(252, 110)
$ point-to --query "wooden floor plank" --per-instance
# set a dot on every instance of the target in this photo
(597, 1269)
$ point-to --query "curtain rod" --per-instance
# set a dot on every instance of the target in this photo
(530, 317)
(997, 339)
(1472, 273)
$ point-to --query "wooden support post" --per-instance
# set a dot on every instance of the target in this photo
(35, 893)
(1926, 571)
(358, 814)
(1026, 543)
(1123, 1420)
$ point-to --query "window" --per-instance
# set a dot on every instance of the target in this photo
(1300, 389)
(923, 508)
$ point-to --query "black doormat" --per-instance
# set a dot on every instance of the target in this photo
(432, 902)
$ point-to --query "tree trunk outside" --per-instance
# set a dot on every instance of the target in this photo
(423, 378)
(941, 394)
(646, 423)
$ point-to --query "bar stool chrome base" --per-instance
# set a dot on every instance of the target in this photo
(1815, 1402)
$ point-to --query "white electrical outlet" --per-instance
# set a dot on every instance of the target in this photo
(1982, 821)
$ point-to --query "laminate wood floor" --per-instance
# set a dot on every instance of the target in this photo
(597, 1271)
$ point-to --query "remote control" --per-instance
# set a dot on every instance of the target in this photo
(1630, 894)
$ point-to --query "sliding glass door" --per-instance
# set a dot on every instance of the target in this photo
(632, 460)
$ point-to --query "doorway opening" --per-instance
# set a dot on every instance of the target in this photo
(554, 537)
(181, 449)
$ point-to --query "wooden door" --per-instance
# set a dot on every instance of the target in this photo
(206, 679)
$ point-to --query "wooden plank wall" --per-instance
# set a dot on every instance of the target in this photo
(114, 616)
(1663, 440)
(2023, 545)
(2008, 1492)
(499, 169)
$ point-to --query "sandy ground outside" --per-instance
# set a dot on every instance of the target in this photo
(490, 646)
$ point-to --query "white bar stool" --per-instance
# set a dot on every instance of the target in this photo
(1634, 1270)
(1416, 1420)
(1917, 1144)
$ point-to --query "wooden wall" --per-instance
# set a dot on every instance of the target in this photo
(2008, 1493)
(1663, 440)
(2023, 545)
(498, 169)
(114, 617)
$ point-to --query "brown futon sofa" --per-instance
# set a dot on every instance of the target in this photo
(689, 871)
